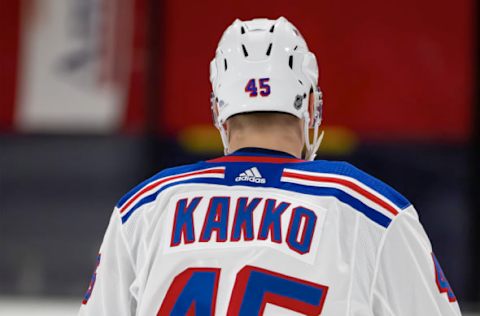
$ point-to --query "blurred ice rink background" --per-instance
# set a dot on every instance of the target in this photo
(97, 95)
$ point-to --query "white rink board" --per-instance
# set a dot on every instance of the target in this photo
(14, 306)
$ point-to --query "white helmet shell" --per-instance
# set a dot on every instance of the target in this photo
(265, 66)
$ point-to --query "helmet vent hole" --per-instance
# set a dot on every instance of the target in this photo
(244, 51)
(242, 30)
(272, 28)
(300, 81)
(290, 61)
(295, 47)
(225, 63)
(269, 49)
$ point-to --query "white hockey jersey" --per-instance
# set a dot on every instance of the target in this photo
(260, 232)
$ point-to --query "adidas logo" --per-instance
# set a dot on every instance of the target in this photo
(251, 175)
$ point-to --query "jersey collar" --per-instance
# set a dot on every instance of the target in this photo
(256, 151)
(255, 154)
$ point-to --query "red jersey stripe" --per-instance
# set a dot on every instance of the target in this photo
(175, 177)
(346, 183)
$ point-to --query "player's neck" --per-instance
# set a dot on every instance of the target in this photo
(276, 141)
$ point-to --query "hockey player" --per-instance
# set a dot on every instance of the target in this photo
(262, 231)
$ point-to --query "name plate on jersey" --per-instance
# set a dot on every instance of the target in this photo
(243, 218)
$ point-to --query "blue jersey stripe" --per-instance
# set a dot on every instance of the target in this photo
(319, 166)
(342, 196)
(273, 172)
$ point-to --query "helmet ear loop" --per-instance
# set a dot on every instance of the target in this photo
(318, 107)
(313, 120)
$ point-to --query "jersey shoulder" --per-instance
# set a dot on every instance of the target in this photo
(347, 174)
(350, 185)
(147, 191)
(348, 170)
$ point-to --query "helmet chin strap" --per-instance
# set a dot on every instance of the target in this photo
(223, 135)
(219, 125)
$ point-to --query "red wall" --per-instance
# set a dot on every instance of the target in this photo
(398, 69)
(9, 53)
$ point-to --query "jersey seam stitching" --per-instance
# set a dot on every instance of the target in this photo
(124, 241)
(353, 259)
(423, 276)
(379, 253)
(384, 302)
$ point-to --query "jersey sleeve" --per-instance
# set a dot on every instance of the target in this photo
(408, 279)
(109, 290)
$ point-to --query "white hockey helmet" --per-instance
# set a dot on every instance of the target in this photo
(264, 65)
